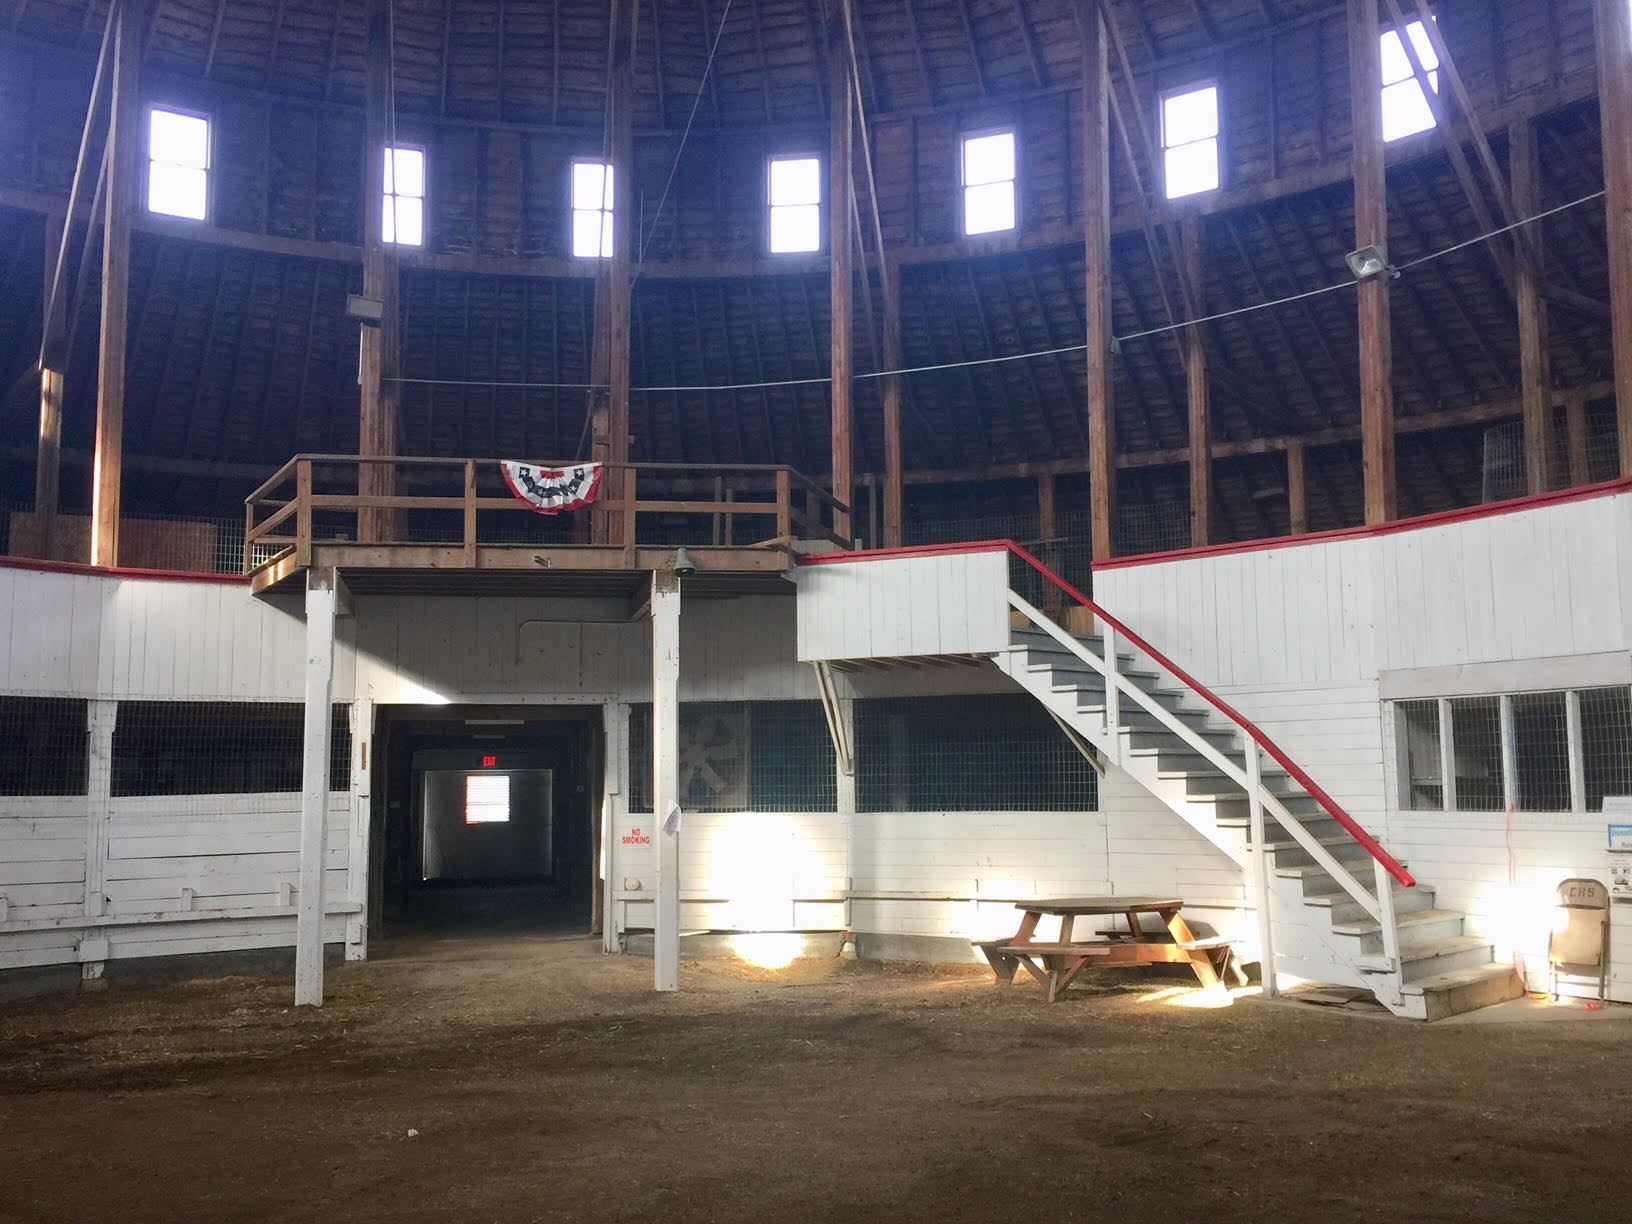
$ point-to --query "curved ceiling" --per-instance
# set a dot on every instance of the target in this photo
(543, 62)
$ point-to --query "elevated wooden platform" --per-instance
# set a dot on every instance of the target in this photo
(438, 530)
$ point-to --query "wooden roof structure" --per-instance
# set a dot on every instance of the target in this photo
(240, 352)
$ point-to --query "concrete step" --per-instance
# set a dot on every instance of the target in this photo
(1415, 927)
(1463, 990)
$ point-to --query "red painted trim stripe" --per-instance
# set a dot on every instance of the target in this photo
(1440, 519)
(917, 550)
(99, 571)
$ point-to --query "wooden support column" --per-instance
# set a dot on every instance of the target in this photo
(1575, 432)
(1048, 531)
(377, 366)
(1614, 27)
(123, 130)
(1371, 229)
(321, 595)
(1195, 377)
(1535, 370)
(53, 362)
(1297, 495)
(893, 509)
(666, 777)
(1096, 208)
(613, 294)
(841, 257)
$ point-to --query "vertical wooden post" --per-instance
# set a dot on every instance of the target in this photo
(1297, 495)
(893, 391)
(314, 786)
(666, 777)
(124, 123)
(784, 505)
(616, 276)
(1195, 377)
(1614, 28)
(626, 530)
(1371, 229)
(1535, 371)
(1575, 432)
(303, 512)
(1096, 208)
(841, 256)
(1048, 530)
(469, 532)
(48, 457)
(377, 367)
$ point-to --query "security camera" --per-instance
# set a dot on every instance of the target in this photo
(684, 566)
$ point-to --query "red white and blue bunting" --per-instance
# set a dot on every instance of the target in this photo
(552, 490)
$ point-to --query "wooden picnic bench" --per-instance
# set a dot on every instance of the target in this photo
(1056, 964)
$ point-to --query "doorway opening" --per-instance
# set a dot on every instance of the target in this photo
(486, 821)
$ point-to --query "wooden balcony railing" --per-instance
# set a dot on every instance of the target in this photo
(463, 503)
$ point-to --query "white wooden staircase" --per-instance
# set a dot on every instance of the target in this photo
(1364, 919)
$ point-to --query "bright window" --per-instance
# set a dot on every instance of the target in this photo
(592, 209)
(405, 195)
(1405, 106)
(988, 183)
(793, 187)
(487, 799)
(178, 163)
(1190, 141)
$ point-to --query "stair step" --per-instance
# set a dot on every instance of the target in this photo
(1458, 978)
(1423, 956)
(1402, 922)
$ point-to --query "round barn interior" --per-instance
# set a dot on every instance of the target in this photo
(240, 352)
(1098, 285)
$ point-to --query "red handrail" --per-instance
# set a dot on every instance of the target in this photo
(1373, 847)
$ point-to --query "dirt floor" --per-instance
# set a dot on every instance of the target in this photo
(537, 1080)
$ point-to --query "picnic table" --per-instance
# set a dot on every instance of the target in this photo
(1057, 964)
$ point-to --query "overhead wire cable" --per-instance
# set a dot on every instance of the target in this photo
(702, 84)
(822, 380)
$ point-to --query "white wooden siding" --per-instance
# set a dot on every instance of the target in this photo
(952, 603)
(1298, 639)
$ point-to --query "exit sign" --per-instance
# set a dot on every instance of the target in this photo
(489, 761)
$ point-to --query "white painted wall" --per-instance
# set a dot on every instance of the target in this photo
(151, 639)
(1306, 638)
(898, 607)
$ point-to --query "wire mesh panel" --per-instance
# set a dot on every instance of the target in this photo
(1421, 776)
(735, 756)
(954, 754)
(1158, 526)
(218, 748)
(1541, 752)
(1606, 744)
(1476, 737)
(1502, 463)
(149, 540)
(44, 745)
